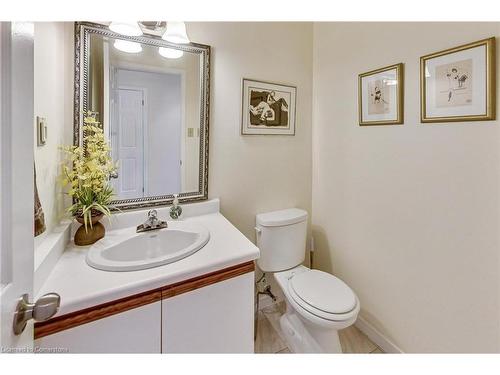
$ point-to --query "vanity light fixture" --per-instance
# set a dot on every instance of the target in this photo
(176, 33)
(126, 28)
(170, 53)
(126, 46)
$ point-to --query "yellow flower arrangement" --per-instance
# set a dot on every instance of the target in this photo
(86, 173)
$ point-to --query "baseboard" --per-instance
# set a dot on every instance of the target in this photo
(376, 336)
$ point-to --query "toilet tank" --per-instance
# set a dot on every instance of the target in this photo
(281, 238)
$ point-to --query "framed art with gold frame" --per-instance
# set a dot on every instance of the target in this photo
(458, 84)
(381, 96)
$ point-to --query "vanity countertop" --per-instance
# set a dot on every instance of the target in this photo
(81, 286)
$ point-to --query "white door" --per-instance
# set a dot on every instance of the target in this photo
(16, 188)
(129, 131)
(163, 132)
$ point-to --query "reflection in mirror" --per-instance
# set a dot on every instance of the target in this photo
(150, 102)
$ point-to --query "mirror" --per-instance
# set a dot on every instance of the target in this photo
(152, 101)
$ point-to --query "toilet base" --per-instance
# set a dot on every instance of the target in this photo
(303, 337)
(303, 331)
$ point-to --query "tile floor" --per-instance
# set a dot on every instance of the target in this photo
(269, 338)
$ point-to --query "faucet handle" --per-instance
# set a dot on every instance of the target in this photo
(152, 214)
(176, 209)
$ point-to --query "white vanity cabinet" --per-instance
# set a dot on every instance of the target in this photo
(213, 313)
(218, 318)
(133, 331)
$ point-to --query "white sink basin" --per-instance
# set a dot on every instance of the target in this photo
(125, 250)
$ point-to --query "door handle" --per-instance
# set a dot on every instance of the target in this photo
(43, 309)
(113, 175)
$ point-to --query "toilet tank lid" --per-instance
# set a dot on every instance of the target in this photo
(282, 217)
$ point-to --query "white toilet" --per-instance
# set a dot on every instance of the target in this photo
(317, 303)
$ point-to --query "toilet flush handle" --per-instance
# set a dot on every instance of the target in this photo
(258, 231)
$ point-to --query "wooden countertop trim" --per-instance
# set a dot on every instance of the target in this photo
(90, 314)
(205, 280)
(104, 310)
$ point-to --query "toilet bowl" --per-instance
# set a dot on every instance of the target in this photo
(318, 304)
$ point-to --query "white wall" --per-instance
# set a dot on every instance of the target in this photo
(54, 101)
(406, 215)
(253, 174)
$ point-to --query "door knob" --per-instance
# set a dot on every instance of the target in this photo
(43, 309)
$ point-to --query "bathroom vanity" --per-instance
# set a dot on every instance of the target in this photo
(203, 303)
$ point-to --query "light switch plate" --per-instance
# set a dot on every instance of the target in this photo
(41, 130)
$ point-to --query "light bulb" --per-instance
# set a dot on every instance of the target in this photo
(176, 33)
(170, 53)
(126, 28)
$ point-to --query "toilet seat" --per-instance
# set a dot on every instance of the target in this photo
(323, 295)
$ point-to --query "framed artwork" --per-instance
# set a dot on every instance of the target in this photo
(381, 96)
(268, 108)
(458, 84)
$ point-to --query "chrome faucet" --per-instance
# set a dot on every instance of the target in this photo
(152, 223)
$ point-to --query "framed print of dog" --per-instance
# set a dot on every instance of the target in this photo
(380, 96)
(268, 108)
(458, 84)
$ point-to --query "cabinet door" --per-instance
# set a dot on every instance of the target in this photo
(217, 318)
(133, 331)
